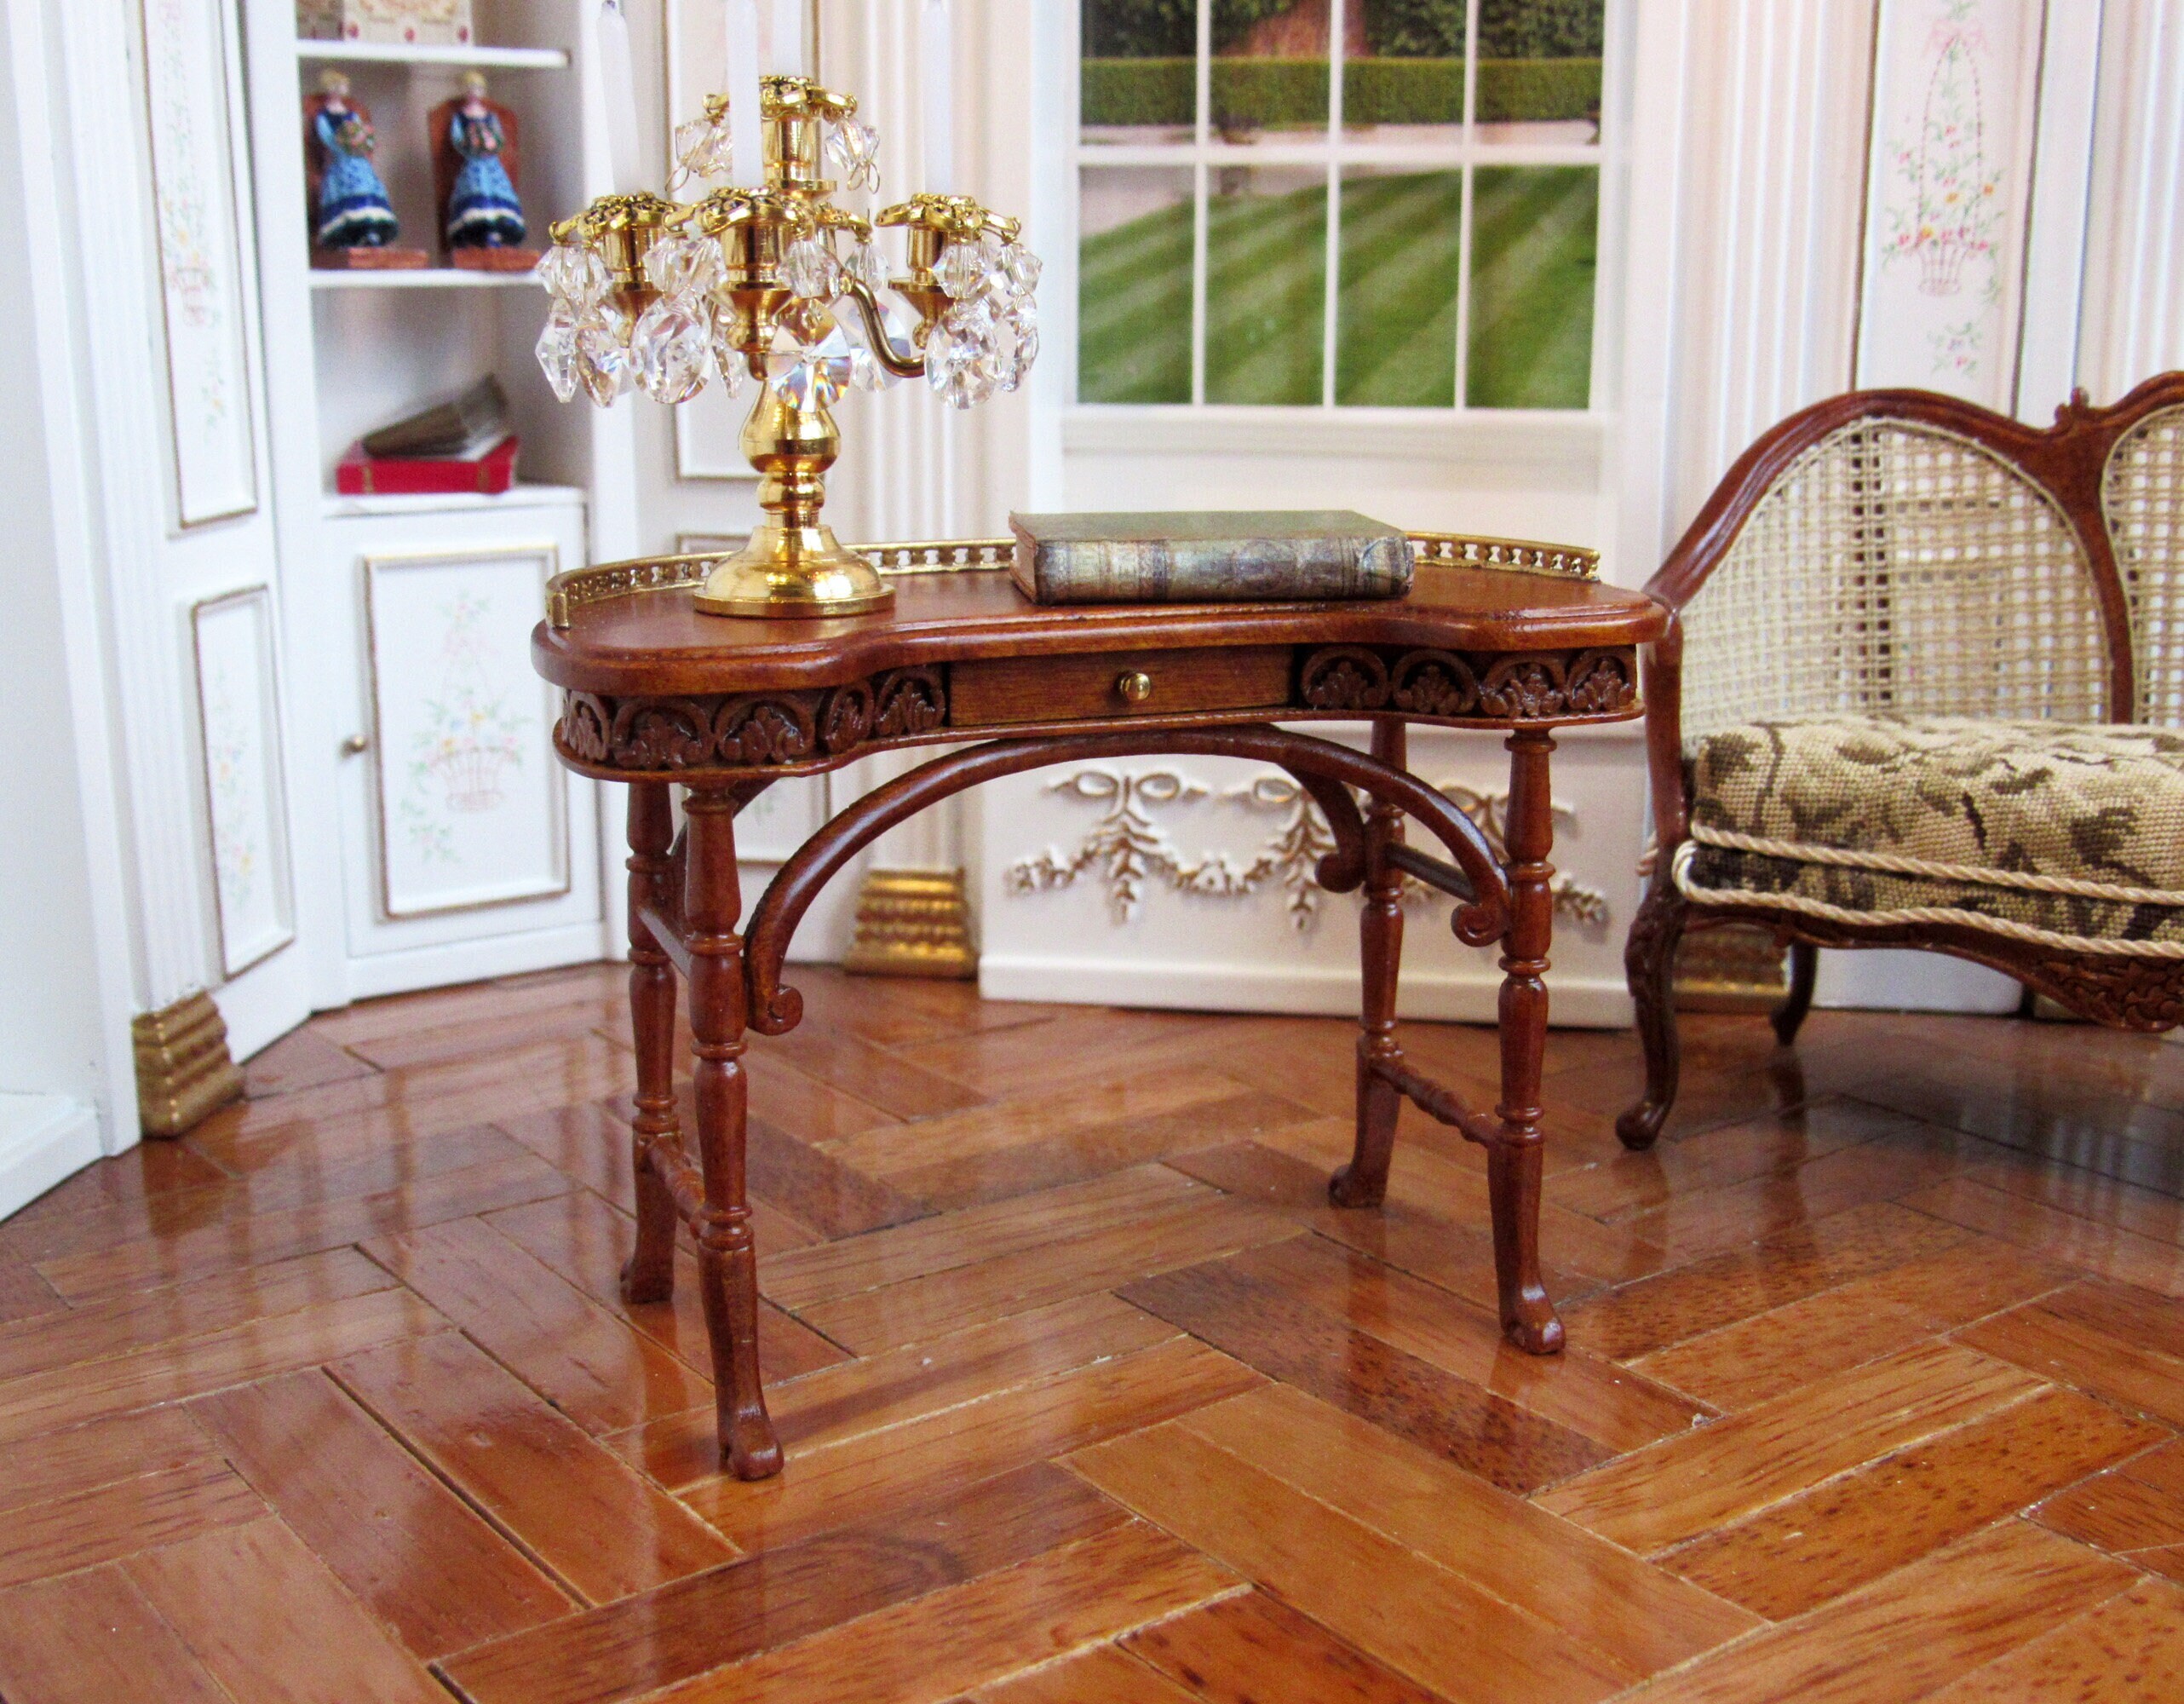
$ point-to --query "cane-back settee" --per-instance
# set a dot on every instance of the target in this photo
(1925, 688)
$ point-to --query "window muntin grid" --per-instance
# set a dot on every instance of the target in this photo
(1165, 92)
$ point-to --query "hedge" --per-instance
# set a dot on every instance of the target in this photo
(1292, 94)
(1508, 29)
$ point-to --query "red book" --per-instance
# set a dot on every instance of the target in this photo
(489, 473)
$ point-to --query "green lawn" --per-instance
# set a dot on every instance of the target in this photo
(1533, 252)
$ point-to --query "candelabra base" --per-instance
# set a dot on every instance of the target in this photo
(795, 573)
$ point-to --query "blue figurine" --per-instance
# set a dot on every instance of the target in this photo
(482, 209)
(353, 211)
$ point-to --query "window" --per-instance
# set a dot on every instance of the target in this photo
(1353, 203)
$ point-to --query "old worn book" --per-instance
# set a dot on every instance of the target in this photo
(1209, 557)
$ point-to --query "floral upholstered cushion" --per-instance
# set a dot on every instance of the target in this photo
(2062, 832)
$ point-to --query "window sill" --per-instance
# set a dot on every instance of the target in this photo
(1503, 437)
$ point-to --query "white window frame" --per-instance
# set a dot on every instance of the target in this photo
(1334, 151)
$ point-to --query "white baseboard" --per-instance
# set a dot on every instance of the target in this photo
(44, 1139)
(1573, 1003)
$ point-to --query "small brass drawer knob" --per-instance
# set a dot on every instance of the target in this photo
(1135, 687)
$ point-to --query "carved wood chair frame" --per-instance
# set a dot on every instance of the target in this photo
(2069, 462)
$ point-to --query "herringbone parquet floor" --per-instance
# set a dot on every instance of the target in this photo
(1875, 1375)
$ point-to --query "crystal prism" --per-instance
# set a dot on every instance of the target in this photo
(576, 276)
(821, 373)
(854, 147)
(603, 355)
(1022, 268)
(867, 266)
(670, 347)
(809, 268)
(557, 351)
(684, 265)
(963, 270)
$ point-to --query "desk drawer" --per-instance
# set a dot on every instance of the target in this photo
(1117, 683)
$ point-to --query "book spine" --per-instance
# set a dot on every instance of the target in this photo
(1215, 571)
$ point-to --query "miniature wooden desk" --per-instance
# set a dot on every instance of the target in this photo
(654, 693)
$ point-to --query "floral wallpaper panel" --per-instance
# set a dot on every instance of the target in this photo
(200, 259)
(1948, 177)
(472, 806)
(239, 721)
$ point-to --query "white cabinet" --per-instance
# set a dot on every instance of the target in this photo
(439, 840)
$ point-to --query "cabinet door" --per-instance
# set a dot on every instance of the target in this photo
(468, 850)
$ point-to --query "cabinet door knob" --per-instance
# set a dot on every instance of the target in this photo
(1135, 687)
(356, 746)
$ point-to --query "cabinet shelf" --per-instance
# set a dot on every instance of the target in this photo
(401, 53)
(521, 496)
(422, 278)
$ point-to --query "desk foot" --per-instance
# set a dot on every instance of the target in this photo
(750, 1450)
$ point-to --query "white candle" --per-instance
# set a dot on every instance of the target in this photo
(936, 71)
(618, 83)
(744, 114)
(788, 59)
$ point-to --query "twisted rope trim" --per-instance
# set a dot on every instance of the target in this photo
(1680, 872)
(1899, 864)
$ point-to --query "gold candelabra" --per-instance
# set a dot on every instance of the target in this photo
(653, 294)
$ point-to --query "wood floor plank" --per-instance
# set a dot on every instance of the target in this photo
(150, 1168)
(2117, 1511)
(1639, 1616)
(1044, 1057)
(2091, 1246)
(1240, 1114)
(764, 1602)
(1710, 1222)
(267, 1618)
(2128, 1650)
(1682, 1487)
(302, 1059)
(1255, 1649)
(1771, 1352)
(263, 1238)
(1452, 1187)
(500, 1034)
(142, 1319)
(50, 1465)
(857, 1397)
(114, 1521)
(1907, 1635)
(584, 1359)
(1798, 1554)
(90, 1639)
(23, 1294)
(1630, 1183)
(1398, 1606)
(1265, 1327)
(939, 1454)
(2062, 1344)
(835, 1200)
(804, 1107)
(955, 1640)
(319, 1179)
(988, 1129)
(1106, 1674)
(1455, 1257)
(596, 1523)
(62, 1396)
(893, 1081)
(827, 1271)
(1652, 1313)
(581, 1238)
(1615, 1408)
(1191, 1231)
(409, 1551)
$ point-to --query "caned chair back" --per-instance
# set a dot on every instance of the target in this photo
(1898, 552)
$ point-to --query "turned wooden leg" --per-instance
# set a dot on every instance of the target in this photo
(1512, 1165)
(1649, 961)
(1804, 970)
(726, 1262)
(648, 1275)
(1364, 1182)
